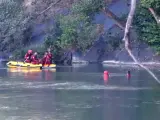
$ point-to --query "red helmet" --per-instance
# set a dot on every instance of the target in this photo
(29, 51)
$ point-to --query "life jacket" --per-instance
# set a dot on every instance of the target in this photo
(28, 57)
(34, 60)
(49, 57)
(46, 60)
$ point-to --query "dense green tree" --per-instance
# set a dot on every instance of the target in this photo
(77, 32)
(14, 25)
(77, 28)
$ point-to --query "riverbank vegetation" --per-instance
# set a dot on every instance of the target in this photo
(75, 29)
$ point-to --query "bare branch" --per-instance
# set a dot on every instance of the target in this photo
(52, 4)
(110, 14)
(156, 17)
(127, 37)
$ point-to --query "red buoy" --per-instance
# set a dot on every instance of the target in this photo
(105, 76)
(106, 72)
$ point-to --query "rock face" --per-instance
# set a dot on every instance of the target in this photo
(101, 51)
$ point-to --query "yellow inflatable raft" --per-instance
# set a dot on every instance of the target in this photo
(13, 64)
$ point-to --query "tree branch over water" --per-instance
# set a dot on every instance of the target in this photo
(126, 39)
(156, 17)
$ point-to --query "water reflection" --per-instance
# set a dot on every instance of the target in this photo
(32, 74)
(48, 74)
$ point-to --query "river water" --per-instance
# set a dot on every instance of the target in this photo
(78, 93)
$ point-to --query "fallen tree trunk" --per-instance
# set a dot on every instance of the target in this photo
(126, 39)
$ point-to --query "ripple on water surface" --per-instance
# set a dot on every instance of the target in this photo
(66, 86)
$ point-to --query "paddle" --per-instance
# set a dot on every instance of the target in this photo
(24, 61)
(42, 66)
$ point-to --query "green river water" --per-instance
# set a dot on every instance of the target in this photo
(78, 93)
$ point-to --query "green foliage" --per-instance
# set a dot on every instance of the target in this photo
(146, 25)
(53, 32)
(52, 39)
(77, 29)
(19, 53)
(151, 3)
(13, 25)
(88, 7)
(155, 4)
